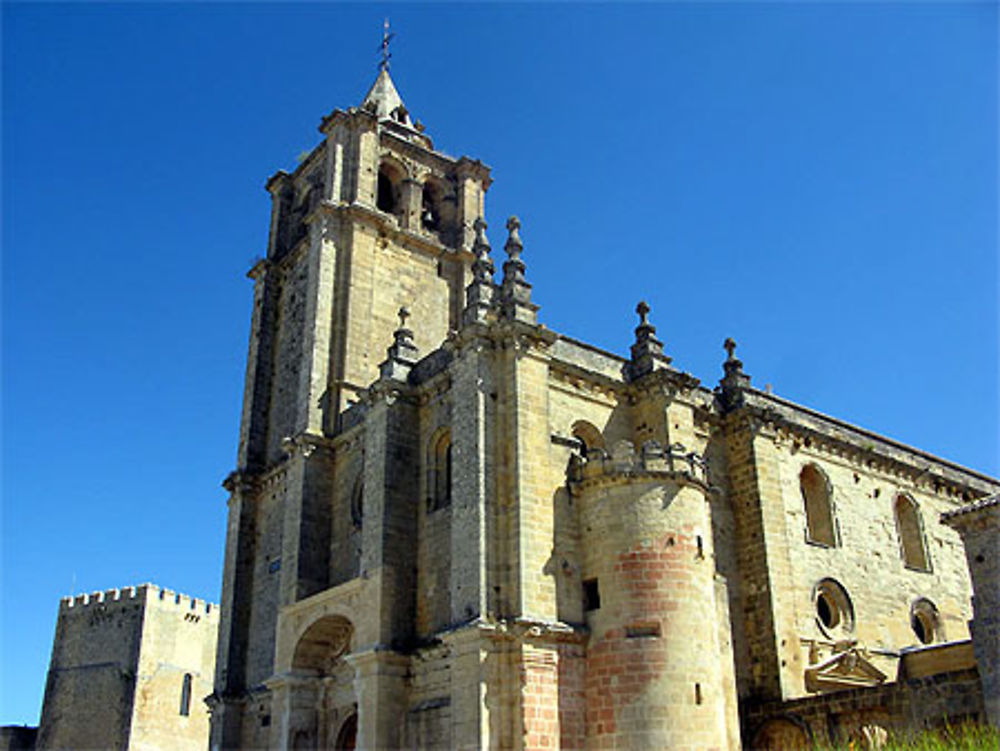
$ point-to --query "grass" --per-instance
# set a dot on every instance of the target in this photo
(959, 738)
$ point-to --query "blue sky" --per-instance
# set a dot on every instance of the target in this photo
(818, 181)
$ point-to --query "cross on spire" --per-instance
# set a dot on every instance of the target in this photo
(384, 47)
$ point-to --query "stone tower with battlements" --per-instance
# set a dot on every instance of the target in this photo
(130, 669)
(453, 528)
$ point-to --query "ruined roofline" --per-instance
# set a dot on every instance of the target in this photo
(140, 593)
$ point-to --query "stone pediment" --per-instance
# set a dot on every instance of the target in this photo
(848, 669)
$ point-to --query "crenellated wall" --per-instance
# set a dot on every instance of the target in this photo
(130, 668)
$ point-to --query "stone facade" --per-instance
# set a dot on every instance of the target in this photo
(451, 527)
(979, 525)
(130, 669)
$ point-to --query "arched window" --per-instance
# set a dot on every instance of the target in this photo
(816, 494)
(588, 434)
(186, 695)
(439, 481)
(911, 536)
(925, 621)
(387, 188)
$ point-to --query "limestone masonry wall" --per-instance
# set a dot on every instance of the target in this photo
(130, 669)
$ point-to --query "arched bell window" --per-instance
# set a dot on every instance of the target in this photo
(387, 196)
(817, 499)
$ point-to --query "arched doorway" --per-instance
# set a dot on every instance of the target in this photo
(348, 735)
(321, 691)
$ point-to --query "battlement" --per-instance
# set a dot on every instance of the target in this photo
(672, 462)
(138, 594)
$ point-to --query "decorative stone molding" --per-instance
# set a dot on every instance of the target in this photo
(654, 462)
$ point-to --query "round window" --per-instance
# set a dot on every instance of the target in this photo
(924, 621)
(834, 612)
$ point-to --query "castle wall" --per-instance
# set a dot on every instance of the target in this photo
(117, 676)
(92, 674)
(178, 639)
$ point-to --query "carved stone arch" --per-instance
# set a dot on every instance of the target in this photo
(322, 643)
(817, 499)
(588, 434)
(910, 532)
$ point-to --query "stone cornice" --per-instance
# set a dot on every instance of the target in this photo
(982, 514)
(474, 168)
(417, 150)
(584, 384)
(781, 420)
(277, 181)
(306, 444)
(663, 382)
(387, 226)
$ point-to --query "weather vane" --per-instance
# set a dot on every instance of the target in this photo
(384, 47)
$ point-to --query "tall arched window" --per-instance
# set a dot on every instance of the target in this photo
(816, 494)
(911, 536)
(439, 480)
(186, 695)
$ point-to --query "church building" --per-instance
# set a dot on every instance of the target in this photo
(451, 527)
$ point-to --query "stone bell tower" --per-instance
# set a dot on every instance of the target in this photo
(373, 219)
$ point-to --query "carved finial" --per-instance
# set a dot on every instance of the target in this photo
(479, 294)
(647, 352)
(730, 346)
(515, 292)
(403, 353)
(643, 310)
(481, 240)
(384, 47)
(734, 380)
(514, 246)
